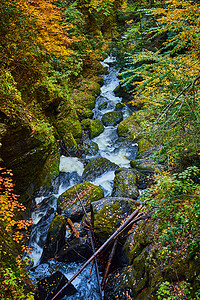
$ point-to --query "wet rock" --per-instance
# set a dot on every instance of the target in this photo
(55, 238)
(49, 286)
(76, 250)
(91, 148)
(125, 184)
(41, 228)
(97, 167)
(143, 181)
(119, 285)
(67, 177)
(112, 118)
(139, 239)
(28, 157)
(128, 128)
(96, 128)
(103, 105)
(108, 213)
(69, 204)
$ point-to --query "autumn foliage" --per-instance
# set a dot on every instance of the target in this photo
(13, 274)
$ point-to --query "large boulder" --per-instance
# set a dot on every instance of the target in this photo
(132, 129)
(90, 148)
(69, 204)
(125, 184)
(112, 118)
(49, 286)
(128, 128)
(95, 127)
(76, 250)
(55, 238)
(108, 213)
(97, 167)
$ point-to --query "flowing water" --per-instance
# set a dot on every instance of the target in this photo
(71, 169)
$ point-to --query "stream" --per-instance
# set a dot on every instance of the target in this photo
(71, 170)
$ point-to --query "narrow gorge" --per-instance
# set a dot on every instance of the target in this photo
(99, 150)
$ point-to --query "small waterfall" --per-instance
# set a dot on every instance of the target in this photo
(71, 170)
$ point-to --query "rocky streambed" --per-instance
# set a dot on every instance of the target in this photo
(108, 178)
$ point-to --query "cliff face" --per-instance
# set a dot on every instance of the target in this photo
(31, 125)
(26, 154)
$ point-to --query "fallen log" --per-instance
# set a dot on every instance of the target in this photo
(91, 237)
(72, 227)
(108, 264)
(109, 240)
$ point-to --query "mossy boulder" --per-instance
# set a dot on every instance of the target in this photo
(120, 285)
(128, 128)
(125, 184)
(145, 170)
(97, 167)
(69, 204)
(143, 145)
(133, 126)
(108, 213)
(143, 165)
(103, 105)
(86, 123)
(84, 113)
(121, 91)
(139, 239)
(96, 128)
(112, 118)
(55, 238)
(87, 100)
(91, 148)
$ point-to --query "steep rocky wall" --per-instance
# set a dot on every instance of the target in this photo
(30, 131)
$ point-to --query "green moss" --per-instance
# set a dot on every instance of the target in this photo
(125, 185)
(128, 128)
(91, 148)
(142, 165)
(84, 113)
(106, 221)
(57, 222)
(96, 128)
(88, 192)
(112, 118)
(97, 167)
(69, 140)
(119, 106)
(51, 167)
(85, 99)
(143, 145)
(85, 123)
